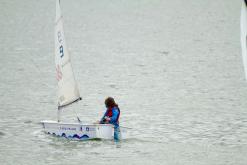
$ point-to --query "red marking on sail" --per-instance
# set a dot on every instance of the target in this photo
(59, 74)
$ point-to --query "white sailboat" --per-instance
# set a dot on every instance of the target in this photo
(243, 34)
(68, 93)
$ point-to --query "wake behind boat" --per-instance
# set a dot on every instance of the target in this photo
(68, 93)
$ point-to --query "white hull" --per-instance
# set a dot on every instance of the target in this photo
(79, 131)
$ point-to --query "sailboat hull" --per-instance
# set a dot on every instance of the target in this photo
(79, 131)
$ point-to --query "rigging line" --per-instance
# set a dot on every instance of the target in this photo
(77, 116)
(59, 112)
(78, 119)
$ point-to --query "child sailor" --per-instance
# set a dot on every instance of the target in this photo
(111, 116)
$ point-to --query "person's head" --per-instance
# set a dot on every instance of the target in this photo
(110, 102)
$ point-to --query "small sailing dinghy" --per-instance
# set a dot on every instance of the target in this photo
(243, 34)
(68, 94)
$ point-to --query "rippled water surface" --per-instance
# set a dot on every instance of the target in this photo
(174, 68)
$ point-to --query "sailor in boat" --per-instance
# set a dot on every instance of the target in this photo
(111, 116)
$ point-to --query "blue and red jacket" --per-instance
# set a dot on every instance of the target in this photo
(113, 114)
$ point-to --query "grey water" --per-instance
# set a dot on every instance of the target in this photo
(174, 67)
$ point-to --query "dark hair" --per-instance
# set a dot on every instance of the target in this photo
(110, 102)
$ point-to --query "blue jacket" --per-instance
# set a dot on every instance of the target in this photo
(114, 117)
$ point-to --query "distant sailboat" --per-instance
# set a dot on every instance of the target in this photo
(243, 35)
(68, 93)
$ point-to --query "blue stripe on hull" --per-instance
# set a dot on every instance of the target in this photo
(75, 136)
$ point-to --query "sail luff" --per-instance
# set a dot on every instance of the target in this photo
(67, 87)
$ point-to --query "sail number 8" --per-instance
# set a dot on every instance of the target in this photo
(59, 37)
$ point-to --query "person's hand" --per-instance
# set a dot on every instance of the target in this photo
(107, 119)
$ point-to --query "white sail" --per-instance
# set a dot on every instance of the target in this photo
(67, 87)
(244, 35)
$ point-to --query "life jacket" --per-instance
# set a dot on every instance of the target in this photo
(109, 113)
